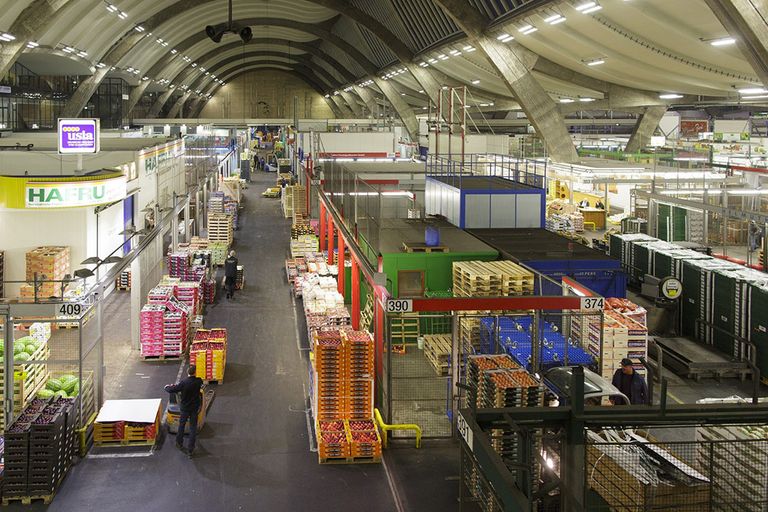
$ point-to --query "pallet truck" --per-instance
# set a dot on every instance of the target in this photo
(172, 411)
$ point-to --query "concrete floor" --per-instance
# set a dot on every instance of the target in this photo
(254, 451)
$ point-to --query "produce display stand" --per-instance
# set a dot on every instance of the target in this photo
(128, 423)
(28, 379)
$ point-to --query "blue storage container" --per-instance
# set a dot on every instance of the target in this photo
(556, 256)
(431, 236)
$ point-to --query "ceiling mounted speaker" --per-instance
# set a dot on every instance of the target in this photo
(216, 32)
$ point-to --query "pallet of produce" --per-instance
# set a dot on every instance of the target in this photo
(332, 441)
(365, 441)
(218, 252)
(128, 423)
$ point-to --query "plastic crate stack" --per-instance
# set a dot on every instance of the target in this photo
(513, 388)
(151, 329)
(209, 354)
(332, 440)
(329, 382)
(365, 442)
(175, 333)
(230, 208)
(178, 264)
(358, 358)
(39, 447)
(476, 365)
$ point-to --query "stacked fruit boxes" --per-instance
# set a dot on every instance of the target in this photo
(151, 321)
(160, 294)
(476, 365)
(332, 440)
(48, 263)
(209, 354)
(178, 263)
(218, 252)
(365, 441)
(230, 208)
(330, 384)
(359, 360)
(39, 448)
(220, 228)
(123, 281)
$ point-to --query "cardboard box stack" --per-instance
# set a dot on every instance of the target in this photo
(209, 354)
(50, 263)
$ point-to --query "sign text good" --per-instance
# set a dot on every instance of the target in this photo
(74, 194)
(78, 136)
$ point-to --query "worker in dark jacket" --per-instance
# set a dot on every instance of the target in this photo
(230, 274)
(189, 407)
(631, 383)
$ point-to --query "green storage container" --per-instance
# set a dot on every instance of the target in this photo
(664, 213)
(757, 322)
(679, 224)
(724, 292)
(692, 303)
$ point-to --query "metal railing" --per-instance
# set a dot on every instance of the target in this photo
(452, 169)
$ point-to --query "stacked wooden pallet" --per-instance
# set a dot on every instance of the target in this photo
(437, 348)
(220, 228)
(491, 279)
(286, 199)
(299, 203)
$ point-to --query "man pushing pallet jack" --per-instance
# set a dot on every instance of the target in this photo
(189, 402)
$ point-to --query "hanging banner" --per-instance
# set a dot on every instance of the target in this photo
(78, 136)
(74, 194)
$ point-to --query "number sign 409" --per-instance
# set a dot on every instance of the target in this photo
(70, 309)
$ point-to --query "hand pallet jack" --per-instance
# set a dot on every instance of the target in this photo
(172, 410)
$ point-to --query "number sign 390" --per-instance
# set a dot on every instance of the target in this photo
(399, 306)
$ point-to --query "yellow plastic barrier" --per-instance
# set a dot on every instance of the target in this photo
(590, 225)
(83, 435)
(386, 428)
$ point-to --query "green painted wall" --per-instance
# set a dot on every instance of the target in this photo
(437, 267)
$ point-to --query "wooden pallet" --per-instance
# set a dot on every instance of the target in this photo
(125, 442)
(27, 500)
(162, 358)
(214, 381)
(417, 247)
(438, 348)
(349, 460)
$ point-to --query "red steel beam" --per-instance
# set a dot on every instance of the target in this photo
(329, 224)
(497, 303)
(341, 258)
(322, 226)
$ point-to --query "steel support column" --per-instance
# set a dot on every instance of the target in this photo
(322, 226)
(341, 278)
(355, 294)
(329, 224)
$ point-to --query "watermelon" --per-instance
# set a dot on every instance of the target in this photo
(59, 394)
(18, 348)
(53, 385)
(30, 349)
(75, 391)
(21, 356)
(45, 393)
(67, 378)
(69, 385)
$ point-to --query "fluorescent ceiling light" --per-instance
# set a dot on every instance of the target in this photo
(432, 61)
(592, 9)
(595, 62)
(469, 48)
(423, 64)
(502, 36)
(122, 15)
(584, 6)
(174, 51)
(32, 44)
(139, 28)
(670, 96)
(82, 54)
(586, 100)
(757, 97)
(555, 19)
(68, 49)
(475, 82)
(100, 65)
(567, 100)
(753, 90)
(455, 52)
(442, 56)
(507, 39)
(527, 29)
(724, 41)
(111, 8)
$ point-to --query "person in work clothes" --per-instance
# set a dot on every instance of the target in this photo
(631, 383)
(189, 407)
(230, 274)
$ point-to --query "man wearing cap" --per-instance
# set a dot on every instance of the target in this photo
(631, 383)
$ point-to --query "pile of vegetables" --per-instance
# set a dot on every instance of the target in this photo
(66, 386)
(23, 348)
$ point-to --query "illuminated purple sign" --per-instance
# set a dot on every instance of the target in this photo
(78, 136)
